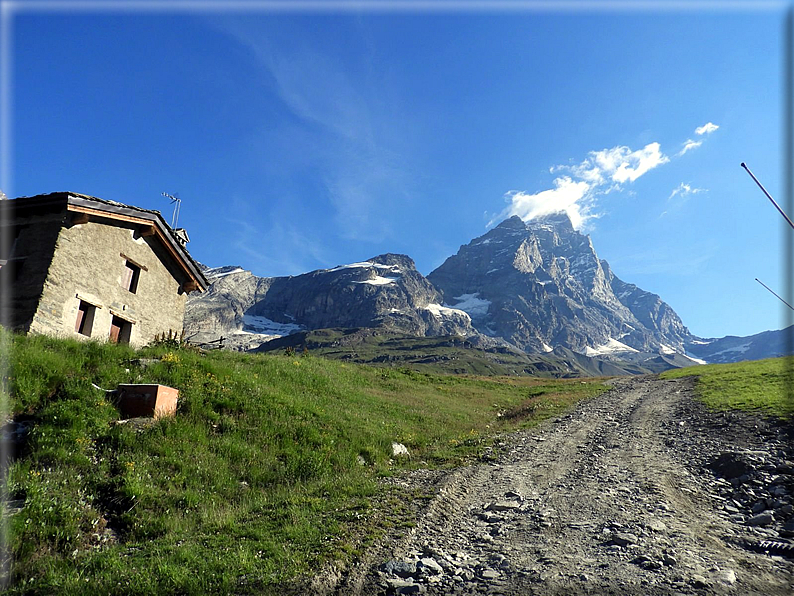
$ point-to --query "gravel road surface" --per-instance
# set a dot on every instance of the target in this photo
(638, 491)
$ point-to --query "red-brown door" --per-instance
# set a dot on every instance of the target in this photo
(115, 329)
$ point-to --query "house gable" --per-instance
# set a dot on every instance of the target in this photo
(114, 272)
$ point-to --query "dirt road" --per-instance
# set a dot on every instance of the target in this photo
(626, 495)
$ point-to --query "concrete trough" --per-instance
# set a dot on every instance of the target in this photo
(147, 400)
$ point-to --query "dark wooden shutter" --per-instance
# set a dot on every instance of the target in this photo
(78, 326)
(115, 329)
(126, 280)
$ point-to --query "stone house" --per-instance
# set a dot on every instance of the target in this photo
(78, 266)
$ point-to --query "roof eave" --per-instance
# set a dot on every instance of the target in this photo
(83, 203)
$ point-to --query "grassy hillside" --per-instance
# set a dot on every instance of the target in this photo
(446, 354)
(256, 480)
(763, 386)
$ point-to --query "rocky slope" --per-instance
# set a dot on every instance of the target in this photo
(386, 292)
(541, 285)
(768, 344)
(536, 287)
(641, 490)
(453, 354)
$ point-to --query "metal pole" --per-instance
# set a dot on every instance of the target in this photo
(768, 196)
(778, 297)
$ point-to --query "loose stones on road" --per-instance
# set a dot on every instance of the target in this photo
(640, 542)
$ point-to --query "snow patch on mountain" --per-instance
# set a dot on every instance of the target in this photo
(612, 346)
(444, 311)
(218, 272)
(264, 326)
(740, 349)
(378, 281)
(472, 304)
(364, 265)
(695, 358)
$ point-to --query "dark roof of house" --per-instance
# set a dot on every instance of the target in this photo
(114, 209)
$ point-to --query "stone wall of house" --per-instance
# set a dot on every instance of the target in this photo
(22, 279)
(89, 266)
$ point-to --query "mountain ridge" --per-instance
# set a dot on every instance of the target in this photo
(548, 287)
(533, 287)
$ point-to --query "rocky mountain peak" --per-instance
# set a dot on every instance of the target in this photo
(512, 223)
(385, 291)
(546, 287)
(560, 222)
(394, 260)
(538, 286)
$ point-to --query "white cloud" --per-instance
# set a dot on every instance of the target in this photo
(567, 195)
(636, 163)
(684, 190)
(575, 194)
(690, 144)
(618, 164)
(707, 128)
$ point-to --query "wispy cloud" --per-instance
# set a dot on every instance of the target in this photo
(619, 164)
(684, 190)
(358, 159)
(679, 197)
(287, 250)
(577, 191)
(706, 129)
(689, 144)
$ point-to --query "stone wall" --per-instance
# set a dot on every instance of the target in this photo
(22, 279)
(89, 266)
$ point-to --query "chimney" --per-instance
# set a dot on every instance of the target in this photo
(181, 235)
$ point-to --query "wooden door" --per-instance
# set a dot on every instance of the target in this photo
(115, 329)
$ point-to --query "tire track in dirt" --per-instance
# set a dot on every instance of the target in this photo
(595, 502)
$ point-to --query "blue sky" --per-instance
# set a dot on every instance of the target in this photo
(301, 140)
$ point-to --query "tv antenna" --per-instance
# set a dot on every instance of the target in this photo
(177, 203)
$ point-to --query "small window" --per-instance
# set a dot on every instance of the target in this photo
(120, 330)
(132, 274)
(85, 318)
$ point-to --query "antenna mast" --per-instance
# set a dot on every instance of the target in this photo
(778, 297)
(177, 203)
(768, 196)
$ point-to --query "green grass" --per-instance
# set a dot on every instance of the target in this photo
(762, 386)
(384, 348)
(253, 484)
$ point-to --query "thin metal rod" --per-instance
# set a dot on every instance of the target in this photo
(177, 202)
(778, 297)
(768, 196)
